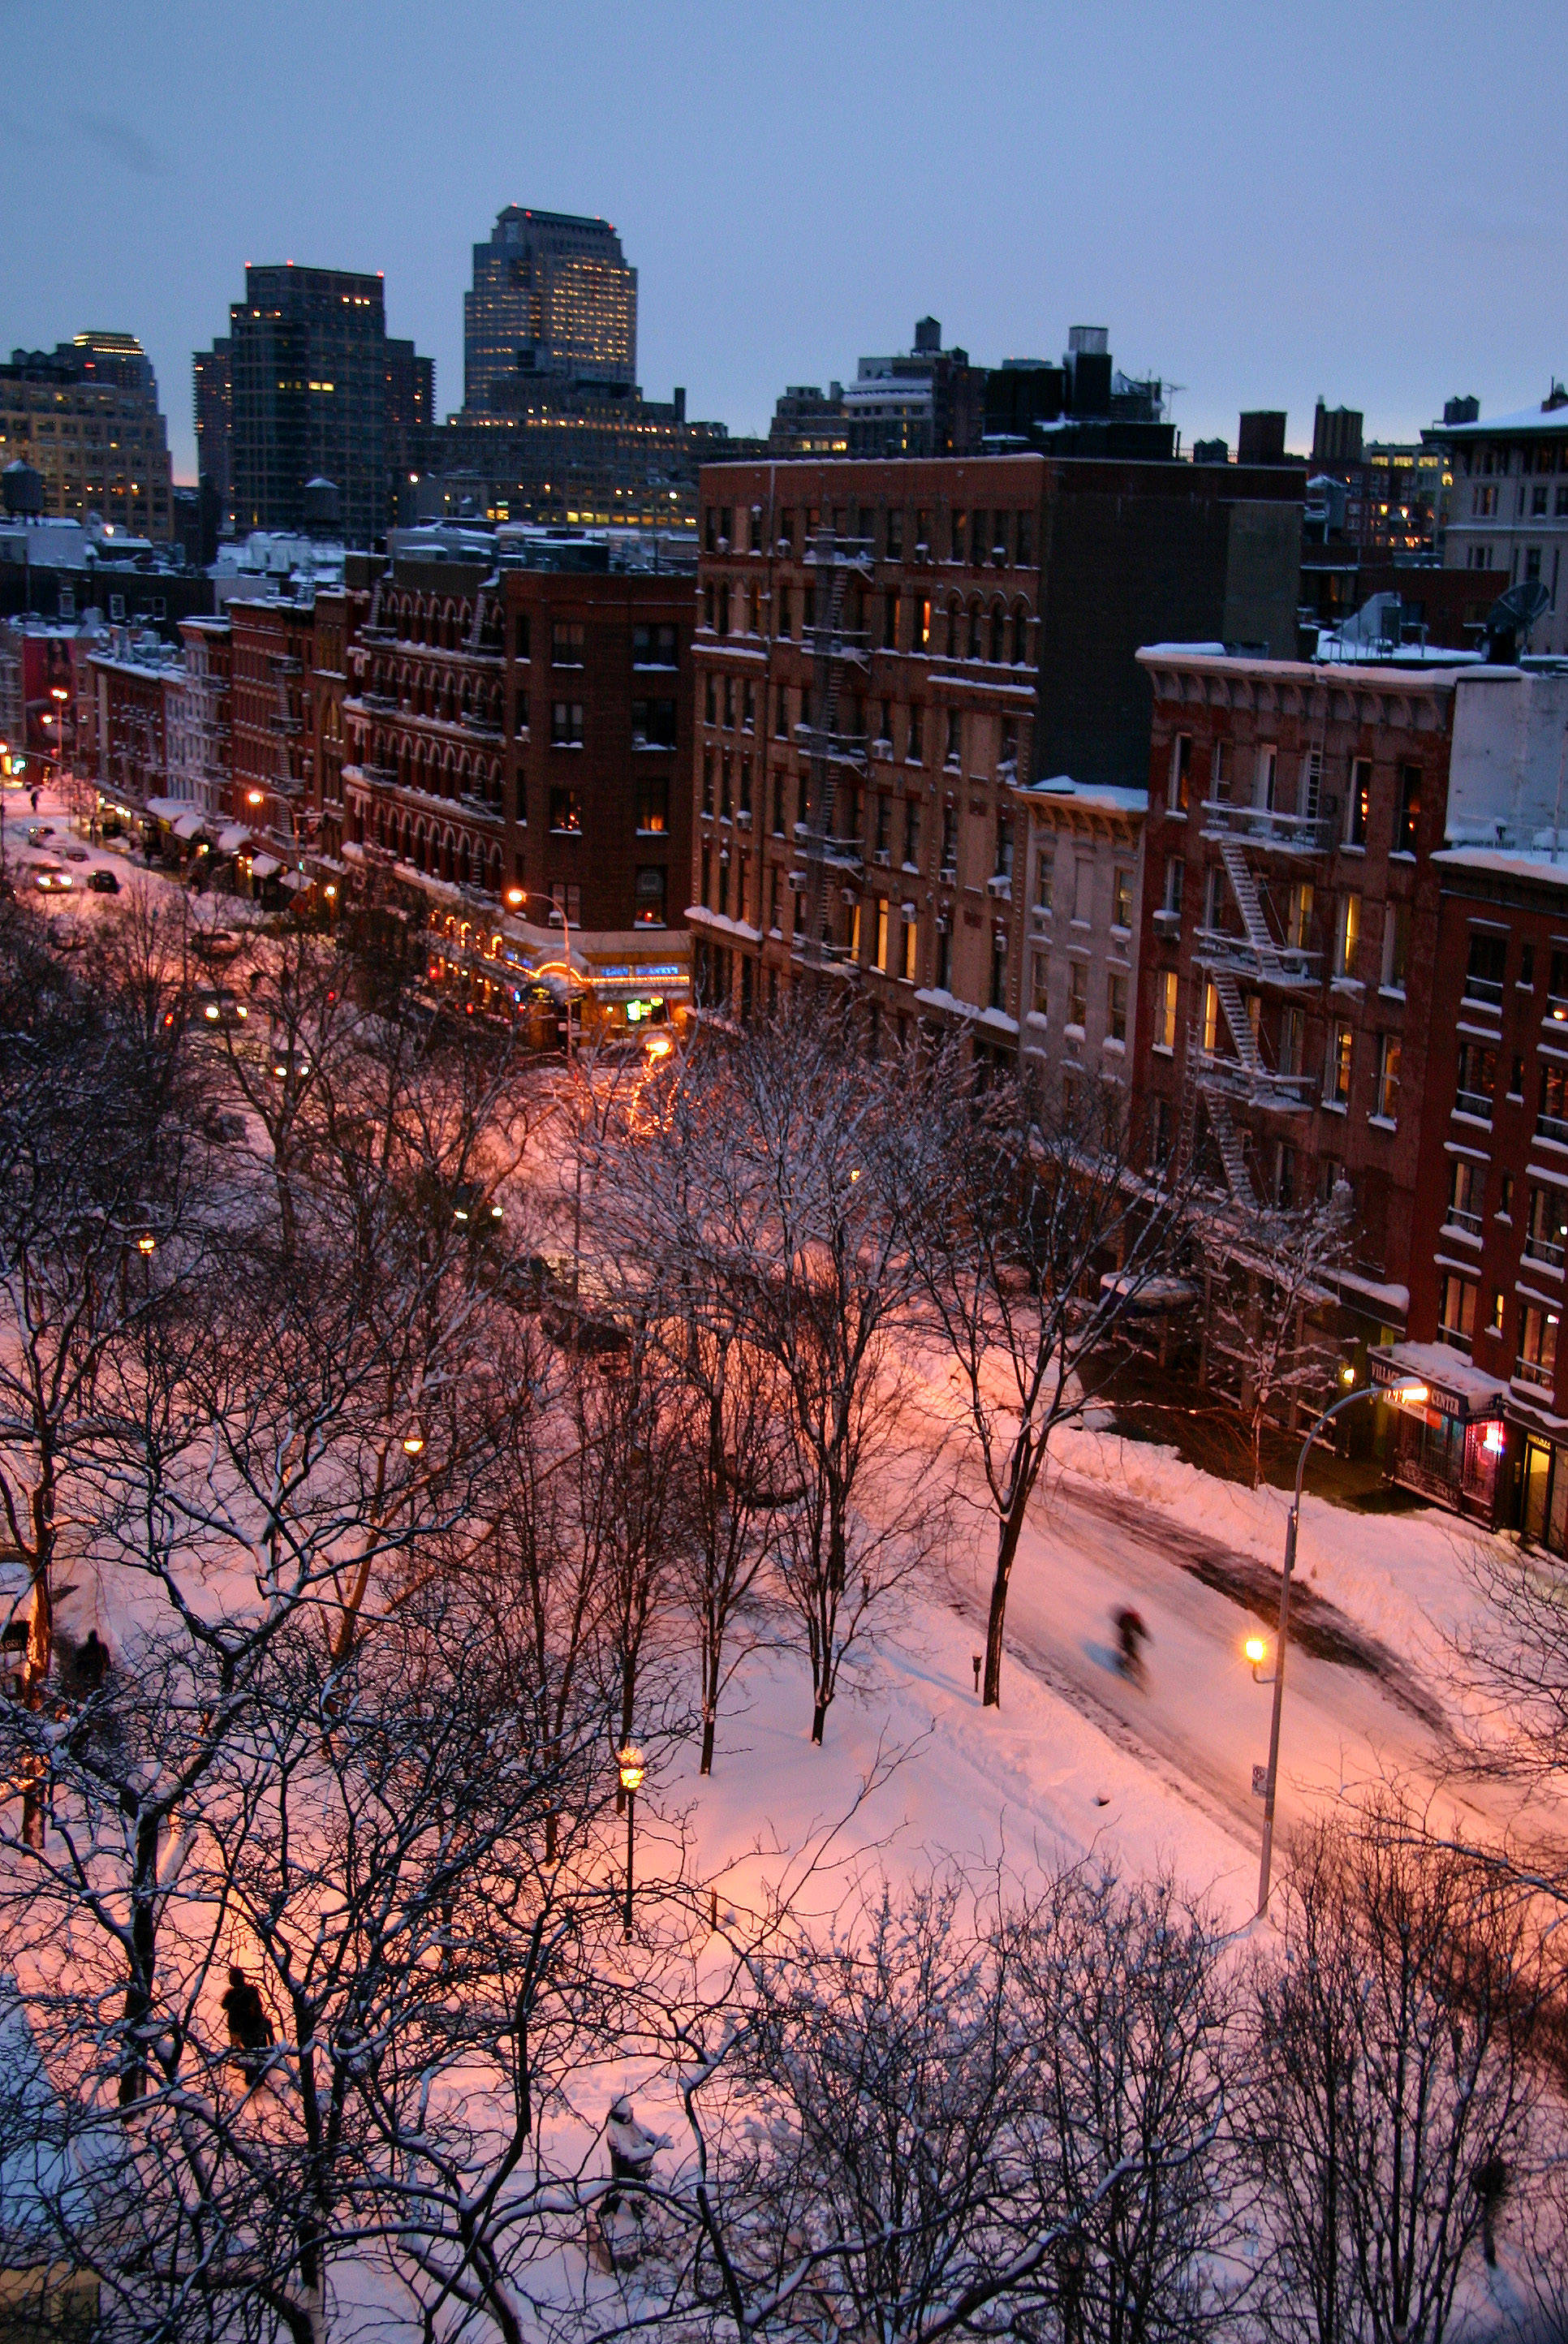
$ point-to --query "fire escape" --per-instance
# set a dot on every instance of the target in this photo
(1230, 1066)
(828, 860)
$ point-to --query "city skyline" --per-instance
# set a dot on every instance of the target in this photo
(783, 218)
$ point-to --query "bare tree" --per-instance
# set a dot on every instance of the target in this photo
(1396, 2086)
(1268, 1282)
(1034, 1237)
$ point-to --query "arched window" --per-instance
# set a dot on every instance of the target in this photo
(1021, 635)
(465, 863)
(977, 629)
(998, 633)
(495, 871)
(955, 629)
(420, 847)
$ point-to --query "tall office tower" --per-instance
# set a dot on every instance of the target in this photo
(309, 362)
(214, 389)
(86, 417)
(552, 295)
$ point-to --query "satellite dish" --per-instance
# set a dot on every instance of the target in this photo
(1511, 616)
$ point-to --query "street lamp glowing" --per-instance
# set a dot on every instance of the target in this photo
(253, 797)
(1347, 1373)
(1255, 1650)
(330, 893)
(634, 1767)
(1414, 1395)
(413, 1442)
(146, 1243)
(659, 1046)
(515, 898)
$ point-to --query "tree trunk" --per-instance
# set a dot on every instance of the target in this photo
(1008, 1532)
(818, 1720)
(705, 1765)
(139, 1985)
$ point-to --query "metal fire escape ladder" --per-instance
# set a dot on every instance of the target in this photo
(1242, 1034)
(835, 564)
(1249, 903)
(1228, 1140)
(477, 630)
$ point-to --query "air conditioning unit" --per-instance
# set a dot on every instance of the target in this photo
(884, 856)
(910, 911)
(1000, 884)
(797, 883)
(1167, 923)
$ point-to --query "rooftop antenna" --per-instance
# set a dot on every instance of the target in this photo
(1511, 617)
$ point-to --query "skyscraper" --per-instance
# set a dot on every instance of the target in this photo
(552, 295)
(214, 386)
(309, 368)
(86, 417)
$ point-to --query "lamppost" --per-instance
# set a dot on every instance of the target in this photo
(516, 898)
(632, 1768)
(1411, 1392)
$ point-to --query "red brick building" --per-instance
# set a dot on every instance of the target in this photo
(985, 615)
(273, 653)
(1289, 934)
(516, 733)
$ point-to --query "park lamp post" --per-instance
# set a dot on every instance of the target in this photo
(632, 1768)
(1411, 1393)
(517, 901)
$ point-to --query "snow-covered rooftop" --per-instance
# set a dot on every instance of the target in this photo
(1526, 419)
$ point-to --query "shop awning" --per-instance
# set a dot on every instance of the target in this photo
(1455, 1386)
(231, 840)
(292, 880)
(189, 825)
(166, 809)
(264, 866)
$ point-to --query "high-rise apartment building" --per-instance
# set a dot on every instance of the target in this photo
(309, 367)
(214, 387)
(86, 417)
(554, 296)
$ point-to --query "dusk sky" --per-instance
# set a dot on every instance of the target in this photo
(1261, 202)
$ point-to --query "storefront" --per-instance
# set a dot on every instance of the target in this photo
(1450, 1437)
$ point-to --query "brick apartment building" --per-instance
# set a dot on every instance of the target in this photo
(1490, 1214)
(1289, 934)
(274, 762)
(988, 614)
(518, 733)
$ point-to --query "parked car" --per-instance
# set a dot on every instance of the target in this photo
(51, 878)
(76, 853)
(38, 831)
(103, 883)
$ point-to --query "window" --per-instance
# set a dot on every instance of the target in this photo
(1477, 1080)
(882, 933)
(1408, 819)
(649, 911)
(519, 715)
(781, 713)
(1537, 1361)
(654, 647)
(1165, 1010)
(726, 802)
(654, 803)
(1175, 880)
(1008, 757)
(1077, 993)
(895, 535)
(1083, 891)
(1526, 977)
(707, 781)
(1546, 1230)
(1041, 985)
(566, 642)
(729, 703)
(911, 943)
(944, 957)
(1505, 1198)
(778, 819)
(1485, 966)
(1284, 1175)
(1121, 898)
(891, 612)
(519, 638)
(652, 723)
(1396, 945)
(1456, 1312)
(1116, 1006)
(1178, 779)
(1498, 1306)
(1359, 804)
(1389, 1054)
(1292, 1036)
(745, 806)
(922, 637)
(710, 700)
(1466, 1182)
(1265, 775)
(565, 903)
(915, 753)
(566, 724)
(749, 708)
(1552, 1122)
(954, 737)
(1217, 789)
(949, 841)
(1347, 936)
(1298, 921)
(911, 832)
(958, 536)
(1004, 845)
(998, 999)
(774, 876)
(566, 811)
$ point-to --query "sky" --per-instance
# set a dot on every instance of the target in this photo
(1262, 202)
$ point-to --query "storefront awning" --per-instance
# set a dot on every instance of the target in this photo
(231, 840)
(264, 866)
(292, 880)
(166, 809)
(1454, 1386)
(189, 825)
